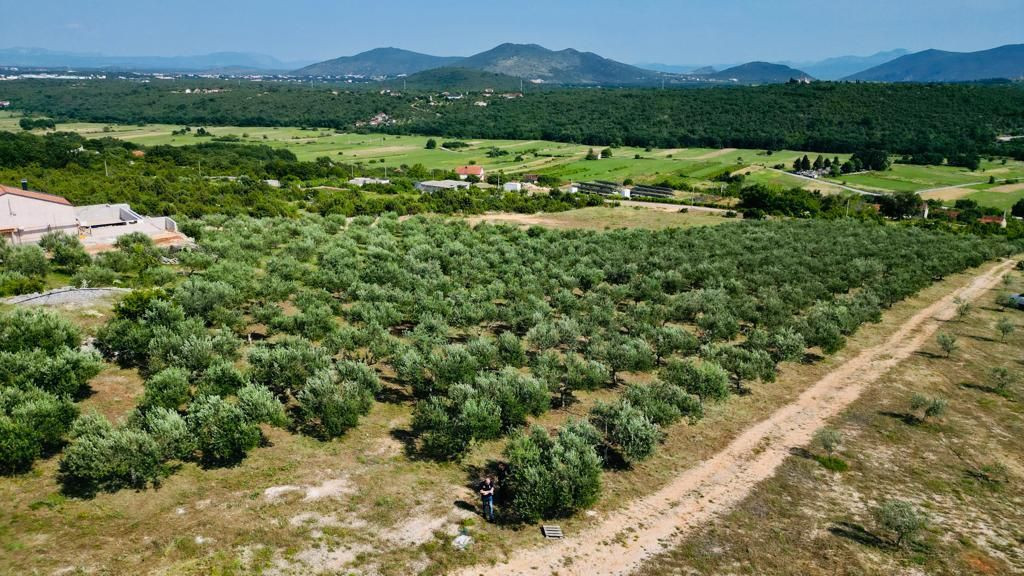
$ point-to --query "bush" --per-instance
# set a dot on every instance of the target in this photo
(516, 395)
(222, 432)
(29, 261)
(947, 342)
(284, 367)
(551, 477)
(900, 518)
(510, 350)
(47, 416)
(19, 446)
(170, 432)
(628, 430)
(66, 372)
(260, 405)
(30, 328)
(65, 250)
(168, 388)
(927, 407)
(92, 276)
(220, 379)
(663, 403)
(328, 409)
(707, 380)
(121, 458)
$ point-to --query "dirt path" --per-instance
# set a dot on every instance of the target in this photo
(710, 155)
(625, 539)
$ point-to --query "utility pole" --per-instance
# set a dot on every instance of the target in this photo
(106, 169)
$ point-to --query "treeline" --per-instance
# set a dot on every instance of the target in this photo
(823, 117)
(228, 178)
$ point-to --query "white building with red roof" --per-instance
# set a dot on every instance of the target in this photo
(467, 171)
(26, 215)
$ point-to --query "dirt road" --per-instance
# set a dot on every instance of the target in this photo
(715, 485)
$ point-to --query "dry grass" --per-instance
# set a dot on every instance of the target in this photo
(387, 513)
(606, 218)
(810, 521)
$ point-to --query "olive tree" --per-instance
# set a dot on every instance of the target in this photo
(900, 518)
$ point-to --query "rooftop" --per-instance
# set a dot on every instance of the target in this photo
(33, 194)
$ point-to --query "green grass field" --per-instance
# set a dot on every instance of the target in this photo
(699, 166)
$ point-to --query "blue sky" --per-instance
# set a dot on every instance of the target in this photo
(674, 32)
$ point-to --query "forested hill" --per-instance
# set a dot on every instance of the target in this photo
(899, 118)
(378, 62)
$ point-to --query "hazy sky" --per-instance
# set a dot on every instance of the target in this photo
(674, 32)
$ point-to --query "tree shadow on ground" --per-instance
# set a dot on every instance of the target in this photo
(801, 452)
(929, 355)
(906, 418)
(858, 534)
(811, 358)
(980, 338)
(394, 394)
(408, 440)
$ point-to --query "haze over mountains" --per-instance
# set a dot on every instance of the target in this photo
(507, 63)
(42, 58)
(941, 66)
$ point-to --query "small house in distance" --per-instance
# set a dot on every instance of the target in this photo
(430, 186)
(467, 171)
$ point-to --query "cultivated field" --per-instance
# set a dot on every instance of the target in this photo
(696, 166)
(423, 304)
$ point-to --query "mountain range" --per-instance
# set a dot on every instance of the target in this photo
(941, 66)
(537, 64)
(540, 65)
(378, 62)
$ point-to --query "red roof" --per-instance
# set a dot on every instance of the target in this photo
(34, 195)
(470, 170)
(991, 220)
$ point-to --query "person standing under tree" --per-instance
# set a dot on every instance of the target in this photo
(487, 497)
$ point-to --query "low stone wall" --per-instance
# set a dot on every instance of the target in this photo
(62, 296)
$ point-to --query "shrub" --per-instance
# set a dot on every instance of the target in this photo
(260, 405)
(928, 407)
(65, 250)
(583, 374)
(29, 261)
(900, 518)
(170, 432)
(947, 342)
(328, 409)
(1005, 327)
(633, 435)
(517, 395)
(447, 426)
(65, 372)
(450, 365)
(1001, 378)
(551, 477)
(223, 434)
(828, 439)
(707, 380)
(120, 458)
(49, 417)
(662, 403)
(284, 367)
(19, 446)
(510, 350)
(220, 379)
(168, 388)
(29, 328)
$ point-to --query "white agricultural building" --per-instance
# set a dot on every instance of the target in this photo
(364, 181)
(26, 215)
(437, 185)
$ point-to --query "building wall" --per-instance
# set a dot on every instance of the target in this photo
(33, 218)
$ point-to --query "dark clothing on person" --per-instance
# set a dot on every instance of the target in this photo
(487, 498)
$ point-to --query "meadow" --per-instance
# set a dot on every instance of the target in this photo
(698, 168)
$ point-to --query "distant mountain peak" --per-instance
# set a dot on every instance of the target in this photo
(934, 65)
